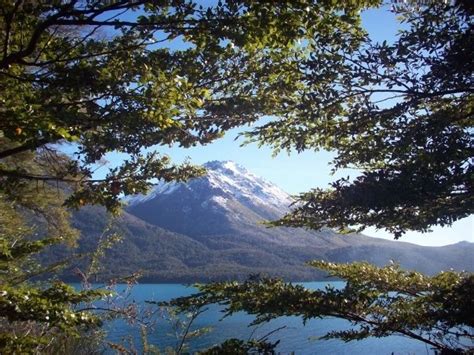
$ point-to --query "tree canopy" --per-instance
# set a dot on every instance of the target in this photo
(401, 113)
(127, 76)
(124, 76)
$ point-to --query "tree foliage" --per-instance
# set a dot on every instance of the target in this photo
(125, 76)
(378, 302)
(400, 113)
(34, 315)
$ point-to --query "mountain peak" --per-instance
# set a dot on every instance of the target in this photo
(241, 184)
(226, 166)
(226, 180)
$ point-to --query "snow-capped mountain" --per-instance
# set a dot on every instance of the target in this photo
(246, 187)
(227, 196)
(227, 180)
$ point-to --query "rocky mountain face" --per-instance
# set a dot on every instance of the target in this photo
(228, 199)
(211, 229)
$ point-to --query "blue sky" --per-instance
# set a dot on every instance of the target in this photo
(299, 172)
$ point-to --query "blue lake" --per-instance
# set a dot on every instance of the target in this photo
(295, 337)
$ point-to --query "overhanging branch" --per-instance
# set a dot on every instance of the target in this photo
(31, 145)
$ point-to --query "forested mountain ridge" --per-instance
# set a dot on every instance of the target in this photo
(210, 229)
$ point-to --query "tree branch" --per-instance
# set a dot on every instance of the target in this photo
(39, 30)
(23, 148)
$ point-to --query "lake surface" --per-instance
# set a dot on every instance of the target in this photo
(295, 337)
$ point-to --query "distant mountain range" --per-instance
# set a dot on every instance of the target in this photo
(211, 229)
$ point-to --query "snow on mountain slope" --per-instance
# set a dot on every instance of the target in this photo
(227, 200)
(162, 188)
(232, 181)
(243, 185)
